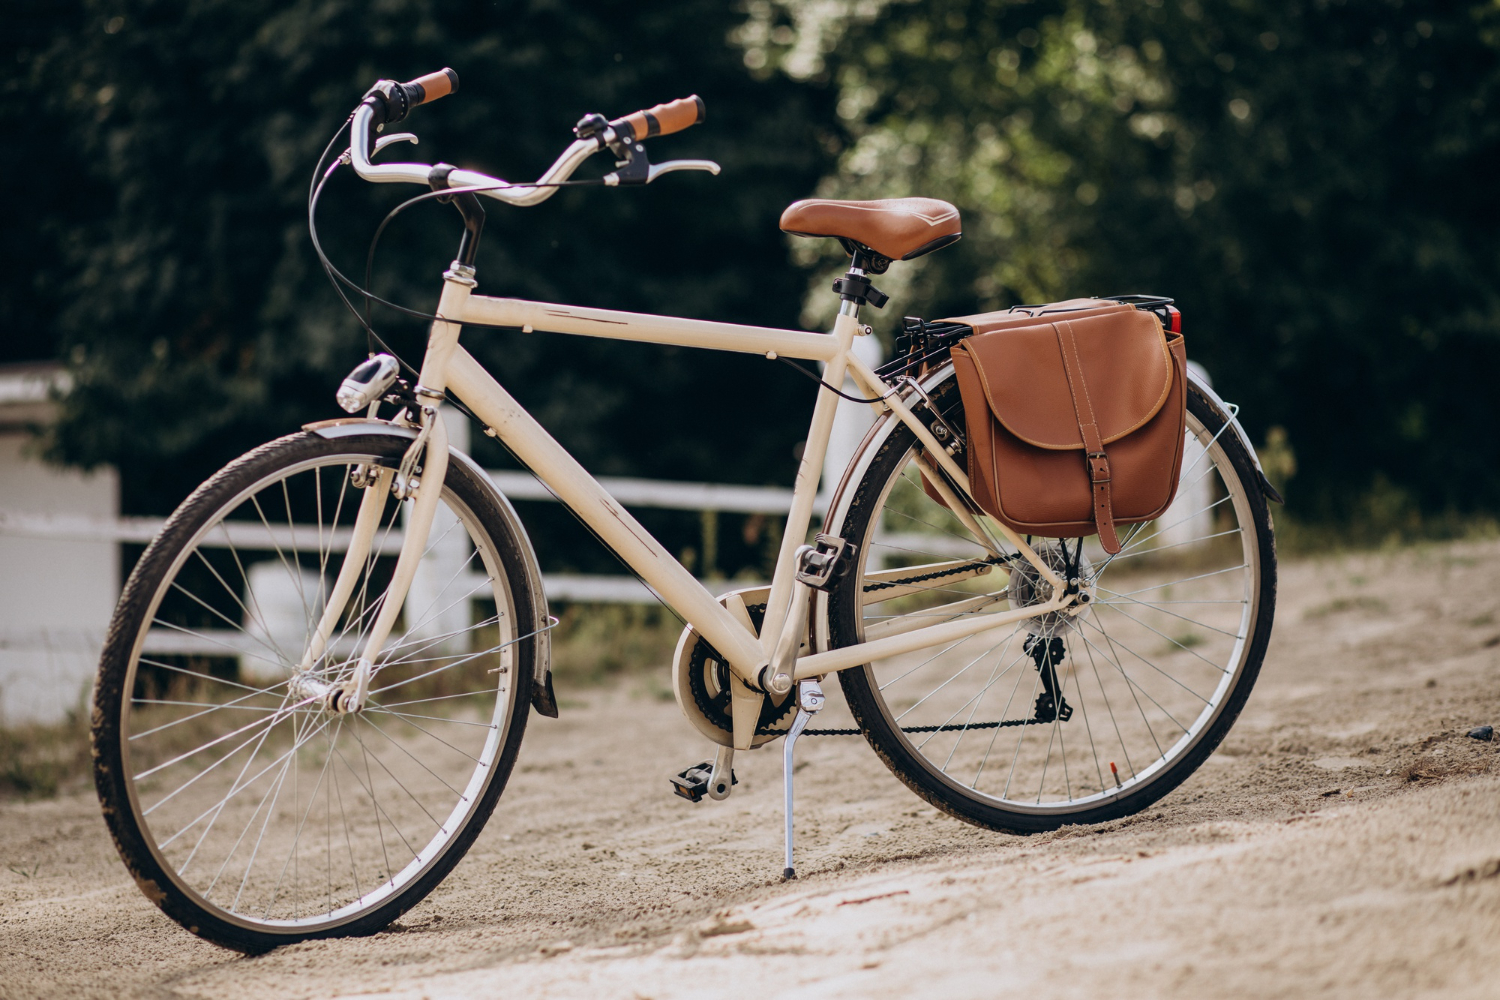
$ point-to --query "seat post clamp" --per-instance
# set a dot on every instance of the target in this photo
(856, 288)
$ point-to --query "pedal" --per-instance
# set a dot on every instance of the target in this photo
(696, 781)
(820, 565)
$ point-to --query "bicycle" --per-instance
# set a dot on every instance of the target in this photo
(319, 674)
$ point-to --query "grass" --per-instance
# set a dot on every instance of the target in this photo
(594, 643)
(37, 761)
(1385, 517)
(1188, 640)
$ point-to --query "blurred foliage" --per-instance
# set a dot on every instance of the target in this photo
(1313, 181)
(162, 249)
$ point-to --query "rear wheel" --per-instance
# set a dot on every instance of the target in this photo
(251, 813)
(1059, 719)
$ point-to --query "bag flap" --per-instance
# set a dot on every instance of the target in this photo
(1127, 373)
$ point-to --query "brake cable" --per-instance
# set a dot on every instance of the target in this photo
(439, 195)
(337, 277)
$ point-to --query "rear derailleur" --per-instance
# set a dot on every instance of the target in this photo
(1047, 653)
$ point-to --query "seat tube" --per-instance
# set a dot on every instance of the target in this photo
(809, 471)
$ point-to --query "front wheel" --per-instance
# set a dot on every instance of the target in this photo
(251, 813)
(1059, 719)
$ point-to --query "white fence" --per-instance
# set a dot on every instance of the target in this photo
(650, 493)
(46, 667)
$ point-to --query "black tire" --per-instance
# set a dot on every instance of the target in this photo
(124, 693)
(898, 743)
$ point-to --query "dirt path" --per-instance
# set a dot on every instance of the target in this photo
(1343, 843)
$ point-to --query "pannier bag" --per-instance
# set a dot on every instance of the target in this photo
(1075, 414)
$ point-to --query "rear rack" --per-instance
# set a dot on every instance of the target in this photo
(922, 344)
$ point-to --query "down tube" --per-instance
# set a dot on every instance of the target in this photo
(573, 485)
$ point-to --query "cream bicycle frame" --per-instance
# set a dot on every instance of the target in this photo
(447, 366)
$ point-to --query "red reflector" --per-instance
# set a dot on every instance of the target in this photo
(1175, 319)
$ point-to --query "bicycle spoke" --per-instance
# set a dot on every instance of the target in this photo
(1099, 706)
(234, 774)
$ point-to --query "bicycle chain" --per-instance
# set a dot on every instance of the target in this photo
(938, 574)
(950, 728)
(716, 710)
(769, 727)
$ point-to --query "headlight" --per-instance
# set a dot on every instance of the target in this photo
(368, 382)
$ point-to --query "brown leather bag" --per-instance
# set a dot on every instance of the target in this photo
(1075, 414)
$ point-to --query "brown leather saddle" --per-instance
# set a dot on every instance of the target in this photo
(893, 228)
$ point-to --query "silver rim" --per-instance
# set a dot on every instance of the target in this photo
(1145, 672)
(265, 808)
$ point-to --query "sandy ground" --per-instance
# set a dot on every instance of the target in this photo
(1342, 843)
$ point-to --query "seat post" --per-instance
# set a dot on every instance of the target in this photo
(849, 306)
(854, 287)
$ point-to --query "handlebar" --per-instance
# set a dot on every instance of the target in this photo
(433, 86)
(389, 102)
(664, 119)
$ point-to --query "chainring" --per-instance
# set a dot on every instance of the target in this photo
(701, 683)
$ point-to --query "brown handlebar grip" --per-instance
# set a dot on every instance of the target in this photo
(664, 119)
(426, 89)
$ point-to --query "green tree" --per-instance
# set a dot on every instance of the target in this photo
(172, 143)
(1313, 181)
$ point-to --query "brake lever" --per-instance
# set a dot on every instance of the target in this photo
(634, 168)
(657, 169)
(386, 140)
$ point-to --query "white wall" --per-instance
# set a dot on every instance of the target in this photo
(56, 596)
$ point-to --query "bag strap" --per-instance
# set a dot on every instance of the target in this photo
(1096, 461)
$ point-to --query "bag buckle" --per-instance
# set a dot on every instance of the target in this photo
(1098, 464)
(818, 566)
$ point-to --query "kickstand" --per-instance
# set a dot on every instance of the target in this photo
(809, 701)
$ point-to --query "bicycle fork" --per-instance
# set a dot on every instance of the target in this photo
(429, 451)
